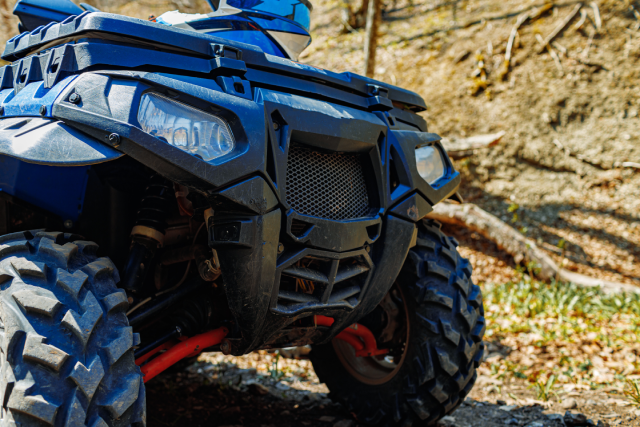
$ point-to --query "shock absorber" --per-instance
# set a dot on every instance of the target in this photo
(148, 234)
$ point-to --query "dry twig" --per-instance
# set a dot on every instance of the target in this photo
(521, 248)
(630, 165)
(583, 19)
(512, 37)
(461, 148)
(578, 156)
(561, 27)
(504, 70)
(554, 55)
(596, 13)
(556, 59)
(542, 8)
(585, 53)
(561, 48)
(537, 13)
(631, 32)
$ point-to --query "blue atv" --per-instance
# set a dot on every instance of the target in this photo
(183, 185)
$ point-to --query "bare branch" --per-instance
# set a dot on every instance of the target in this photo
(579, 156)
(585, 53)
(460, 148)
(520, 247)
(561, 27)
(553, 54)
(630, 165)
(596, 13)
(583, 19)
(514, 31)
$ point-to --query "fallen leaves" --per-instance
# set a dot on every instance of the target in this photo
(575, 336)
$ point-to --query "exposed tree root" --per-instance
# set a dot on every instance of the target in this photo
(465, 147)
(519, 246)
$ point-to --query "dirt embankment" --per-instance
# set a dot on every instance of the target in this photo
(570, 124)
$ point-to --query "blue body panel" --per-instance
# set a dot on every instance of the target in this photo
(277, 24)
(34, 13)
(29, 101)
(196, 44)
(59, 190)
(256, 38)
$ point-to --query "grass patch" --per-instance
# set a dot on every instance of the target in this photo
(575, 335)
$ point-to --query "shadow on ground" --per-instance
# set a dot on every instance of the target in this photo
(222, 395)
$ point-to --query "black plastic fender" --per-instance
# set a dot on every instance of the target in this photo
(251, 270)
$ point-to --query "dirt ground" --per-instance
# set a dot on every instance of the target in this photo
(229, 392)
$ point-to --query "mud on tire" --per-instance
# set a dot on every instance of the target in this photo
(66, 354)
(444, 347)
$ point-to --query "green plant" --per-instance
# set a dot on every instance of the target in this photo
(533, 268)
(632, 392)
(513, 208)
(586, 365)
(274, 372)
(545, 389)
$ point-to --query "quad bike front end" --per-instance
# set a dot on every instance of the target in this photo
(239, 201)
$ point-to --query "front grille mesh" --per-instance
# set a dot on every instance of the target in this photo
(330, 186)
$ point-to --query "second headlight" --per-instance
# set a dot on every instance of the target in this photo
(430, 162)
(187, 128)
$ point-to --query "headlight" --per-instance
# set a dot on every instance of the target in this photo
(430, 162)
(185, 127)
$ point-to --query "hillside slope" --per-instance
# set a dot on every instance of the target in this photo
(567, 130)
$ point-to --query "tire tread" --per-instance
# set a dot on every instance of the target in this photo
(66, 355)
(449, 326)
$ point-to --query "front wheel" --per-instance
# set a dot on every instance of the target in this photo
(66, 357)
(432, 322)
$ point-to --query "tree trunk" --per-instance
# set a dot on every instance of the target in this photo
(354, 18)
(371, 37)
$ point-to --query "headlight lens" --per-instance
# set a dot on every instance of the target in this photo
(430, 162)
(185, 127)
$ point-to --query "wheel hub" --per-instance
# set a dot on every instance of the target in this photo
(376, 370)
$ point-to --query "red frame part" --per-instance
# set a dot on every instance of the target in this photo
(188, 348)
(166, 346)
(357, 336)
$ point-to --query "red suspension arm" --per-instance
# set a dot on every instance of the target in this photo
(358, 336)
(190, 347)
(166, 346)
(354, 335)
